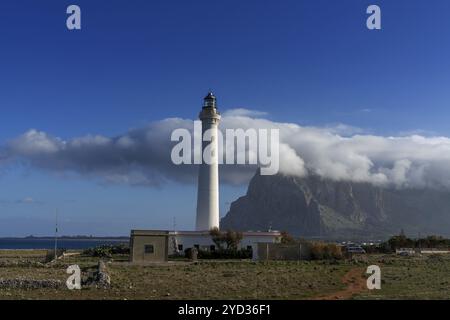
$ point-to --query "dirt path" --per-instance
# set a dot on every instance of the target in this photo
(355, 283)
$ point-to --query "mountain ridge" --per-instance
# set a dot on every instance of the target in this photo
(314, 207)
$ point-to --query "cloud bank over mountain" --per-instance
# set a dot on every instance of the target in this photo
(142, 156)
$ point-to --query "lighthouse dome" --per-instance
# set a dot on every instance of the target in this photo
(209, 101)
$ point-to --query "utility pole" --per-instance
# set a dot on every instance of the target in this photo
(56, 234)
(299, 253)
(420, 244)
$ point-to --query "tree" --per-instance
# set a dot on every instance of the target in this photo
(286, 238)
(232, 239)
(217, 237)
(400, 241)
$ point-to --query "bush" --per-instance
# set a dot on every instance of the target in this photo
(191, 253)
(107, 250)
(286, 238)
(230, 238)
(401, 241)
(323, 251)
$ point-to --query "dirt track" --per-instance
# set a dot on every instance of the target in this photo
(355, 283)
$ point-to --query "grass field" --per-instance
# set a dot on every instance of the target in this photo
(402, 278)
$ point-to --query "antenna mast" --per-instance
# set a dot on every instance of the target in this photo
(56, 235)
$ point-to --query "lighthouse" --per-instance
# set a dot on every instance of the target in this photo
(208, 175)
(157, 245)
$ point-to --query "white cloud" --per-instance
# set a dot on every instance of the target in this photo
(242, 112)
(36, 142)
(142, 156)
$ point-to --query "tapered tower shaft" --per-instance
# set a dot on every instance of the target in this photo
(208, 175)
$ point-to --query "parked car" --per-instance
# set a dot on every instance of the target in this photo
(355, 249)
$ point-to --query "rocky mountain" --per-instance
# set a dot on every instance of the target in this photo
(316, 207)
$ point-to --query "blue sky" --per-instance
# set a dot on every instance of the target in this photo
(311, 62)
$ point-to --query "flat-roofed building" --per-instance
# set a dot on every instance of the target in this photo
(202, 240)
(149, 246)
(157, 245)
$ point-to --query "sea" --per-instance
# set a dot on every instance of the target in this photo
(63, 243)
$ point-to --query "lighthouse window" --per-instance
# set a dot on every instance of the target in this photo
(149, 249)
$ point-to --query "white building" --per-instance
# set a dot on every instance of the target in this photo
(182, 240)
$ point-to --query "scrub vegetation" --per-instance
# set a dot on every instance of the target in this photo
(411, 277)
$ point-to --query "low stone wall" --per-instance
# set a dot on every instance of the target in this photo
(22, 264)
(98, 278)
(30, 284)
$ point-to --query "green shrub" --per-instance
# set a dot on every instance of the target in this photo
(107, 250)
(286, 238)
(324, 251)
(230, 238)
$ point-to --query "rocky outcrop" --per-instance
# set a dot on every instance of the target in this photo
(316, 207)
(99, 278)
(102, 276)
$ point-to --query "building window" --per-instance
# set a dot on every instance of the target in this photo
(180, 247)
(149, 249)
(249, 248)
(212, 248)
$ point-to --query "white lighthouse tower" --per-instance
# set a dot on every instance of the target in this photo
(208, 175)
(207, 205)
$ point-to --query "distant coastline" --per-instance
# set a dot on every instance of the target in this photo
(69, 237)
(65, 242)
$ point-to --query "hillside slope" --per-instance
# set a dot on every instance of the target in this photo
(315, 207)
